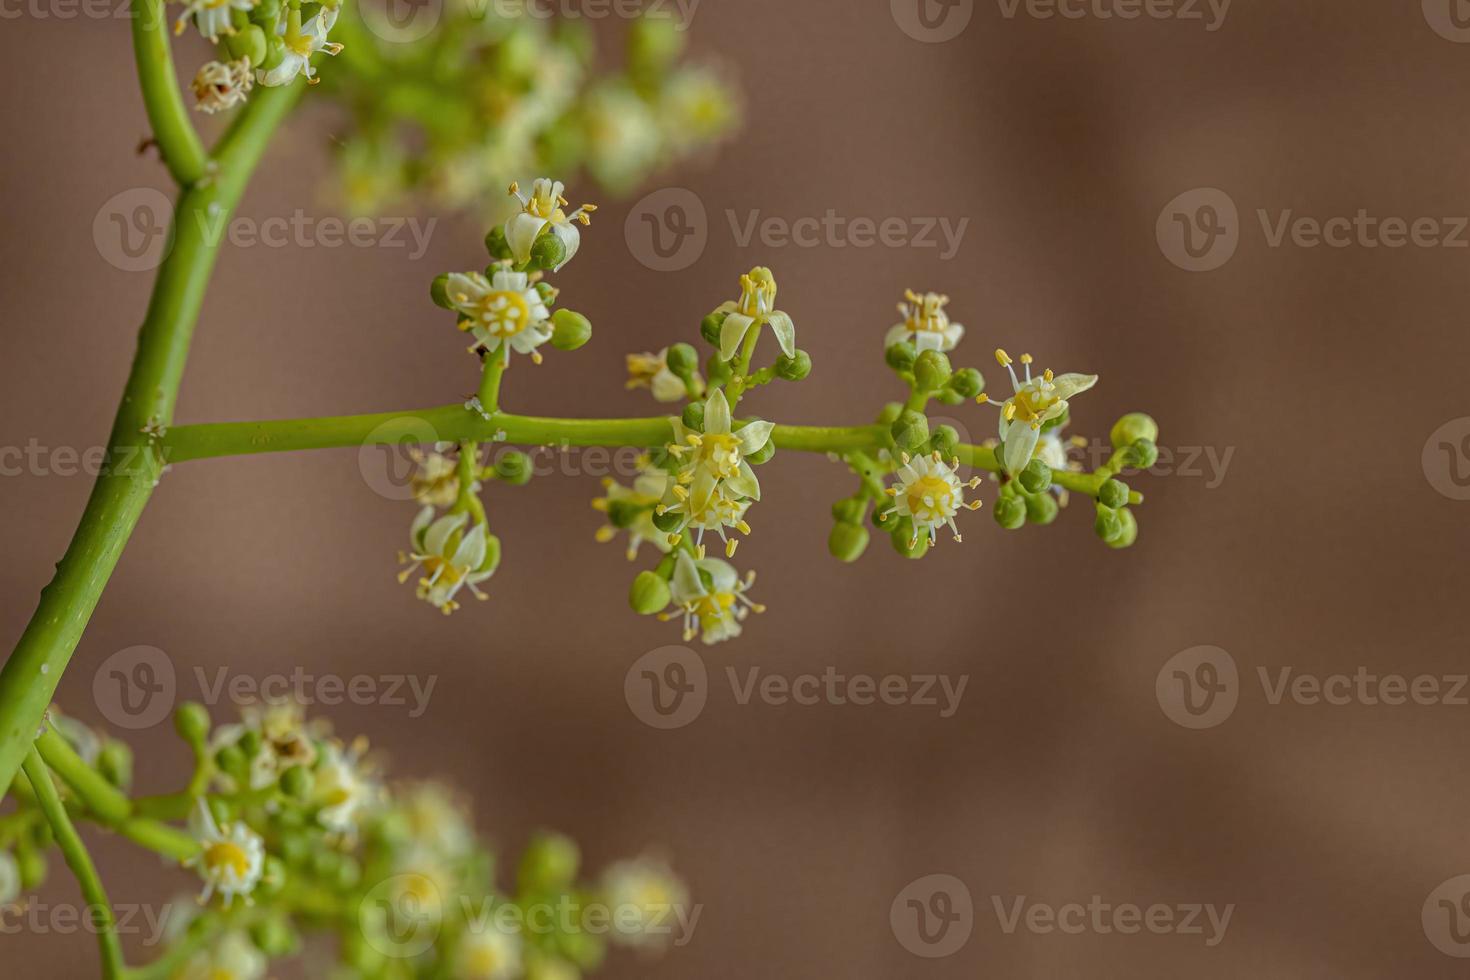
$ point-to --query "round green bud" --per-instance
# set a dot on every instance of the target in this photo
(1113, 494)
(762, 455)
(549, 864)
(514, 467)
(948, 396)
(231, 760)
(544, 289)
(693, 416)
(683, 361)
(1142, 454)
(890, 413)
(904, 541)
(882, 516)
(247, 42)
(1129, 533)
(265, 12)
(1036, 477)
(274, 937)
(794, 368)
(945, 439)
(1108, 525)
(31, 863)
(1010, 512)
(569, 330)
(1133, 427)
(439, 292)
(668, 521)
(932, 370)
(709, 328)
(654, 42)
(115, 762)
(275, 52)
(191, 721)
(910, 430)
(1042, 508)
(967, 383)
(848, 541)
(848, 511)
(250, 743)
(719, 371)
(649, 594)
(297, 782)
(548, 252)
(496, 244)
(622, 513)
(901, 356)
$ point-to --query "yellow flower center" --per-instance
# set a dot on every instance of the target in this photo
(227, 857)
(505, 314)
(757, 294)
(1031, 402)
(720, 453)
(713, 610)
(929, 496)
(448, 572)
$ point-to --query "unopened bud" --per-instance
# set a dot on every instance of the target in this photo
(967, 383)
(910, 431)
(649, 595)
(1133, 427)
(794, 368)
(570, 330)
(1036, 477)
(1009, 512)
(847, 542)
(932, 370)
(1113, 494)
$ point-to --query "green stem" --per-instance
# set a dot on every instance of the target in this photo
(80, 862)
(173, 130)
(105, 800)
(29, 677)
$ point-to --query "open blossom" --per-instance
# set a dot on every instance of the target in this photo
(640, 500)
(925, 324)
(755, 307)
(451, 559)
(1036, 401)
(302, 41)
(212, 16)
(232, 957)
(651, 371)
(544, 210)
(222, 85)
(503, 313)
(487, 953)
(231, 859)
(930, 495)
(644, 897)
(343, 789)
(284, 738)
(711, 597)
(715, 483)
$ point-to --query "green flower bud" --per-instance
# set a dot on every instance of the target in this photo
(544, 289)
(275, 51)
(232, 761)
(1113, 494)
(570, 330)
(297, 782)
(932, 370)
(902, 536)
(945, 440)
(654, 42)
(967, 383)
(668, 522)
(709, 328)
(719, 371)
(496, 244)
(191, 721)
(548, 252)
(550, 864)
(115, 762)
(514, 467)
(439, 291)
(249, 743)
(1010, 512)
(890, 413)
(649, 595)
(1133, 427)
(1108, 525)
(848, 511)
(1042, 508)
(901, 356)
(1142, 454)
(795, 367)
(694, 416)
(762, 455)
(1129, 533)
(847, 542)
(31, 864)
(274, 937)
(910, 431)
(882, 515)
(1036, 477)
(682, 361)
(247, 42)
(622, 513)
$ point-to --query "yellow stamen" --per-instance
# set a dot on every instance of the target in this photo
(1002, 358)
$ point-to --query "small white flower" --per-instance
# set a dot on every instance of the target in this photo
(436, 819)
(342, 789)
(284, 742)
(232, 957)
(451, 559)
(219, 86)
(712, 596)
(231, 859)
(651, 371)
(1036, 401)
(302, 41)
(645, 494)
(925, 324)
(644, 898)
(715, 484)
(930, 494)
(504, 313)
(212, 16)
(543, 209)
(487, 953)
(9, 879)
(755, 307)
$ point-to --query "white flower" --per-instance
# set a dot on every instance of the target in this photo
(342, 788)
(651, 371)
(929, 494)
(435, 479)
(645, 494)
(451, 560)
(715, 484)
(487, 953)
(9, 879)
(1036, 402)
(644, 898)
(211, 16)
(756, 306)
(925, 324)
(220, 86)
(505, 312)
(232, 957)
(712, 596)
(623, 139)
(301, 43)
(544, 209)
(436, 820)
(230, 860)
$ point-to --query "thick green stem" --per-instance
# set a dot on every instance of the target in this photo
(30, 675)
(173, 130)
(80, 862)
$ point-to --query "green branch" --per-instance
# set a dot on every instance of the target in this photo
(173, 130)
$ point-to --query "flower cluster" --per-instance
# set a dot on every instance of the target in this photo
(264, 41)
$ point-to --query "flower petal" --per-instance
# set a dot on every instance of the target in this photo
(717, 414)
(571, 240)
(744, 483)
(440, 532)
(686, 583)
(1020, 443)
(732, 334)
(785, 331)
(897, 333)
(520, 234)
(753, 437)
(1067, 385)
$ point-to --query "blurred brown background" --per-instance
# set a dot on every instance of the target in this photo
(1324, 547)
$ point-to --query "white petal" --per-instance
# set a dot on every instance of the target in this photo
(717, 414)
(1020, 442)
(421, 521)
(686, 583)
(732, 334)
(440, 532)
(785, 331)
(744, 483)
(897, 333)
(571, 240)
(754, 436)
(521, 232)
(1068, 385)
(471, 551)
(667, 387)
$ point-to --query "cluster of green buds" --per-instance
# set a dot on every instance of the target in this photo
(266, 41)
(290, 832)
